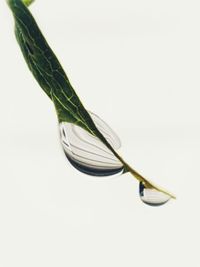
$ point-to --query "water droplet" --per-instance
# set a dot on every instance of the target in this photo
(86, 152)
(152, 197)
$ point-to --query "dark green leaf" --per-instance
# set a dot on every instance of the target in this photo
(49, 73)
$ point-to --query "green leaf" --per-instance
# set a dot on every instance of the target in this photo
(50, 75)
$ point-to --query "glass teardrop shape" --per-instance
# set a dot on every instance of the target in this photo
(152, 196)
(86, 152)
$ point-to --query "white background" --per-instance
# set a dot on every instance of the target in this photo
(137, 65)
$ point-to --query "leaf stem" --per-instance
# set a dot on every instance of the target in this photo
(137, 175)
(141, 178)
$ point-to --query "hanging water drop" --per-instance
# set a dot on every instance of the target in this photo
(86, 152)
(152, 197)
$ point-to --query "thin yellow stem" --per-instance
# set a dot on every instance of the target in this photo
(137, 175)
